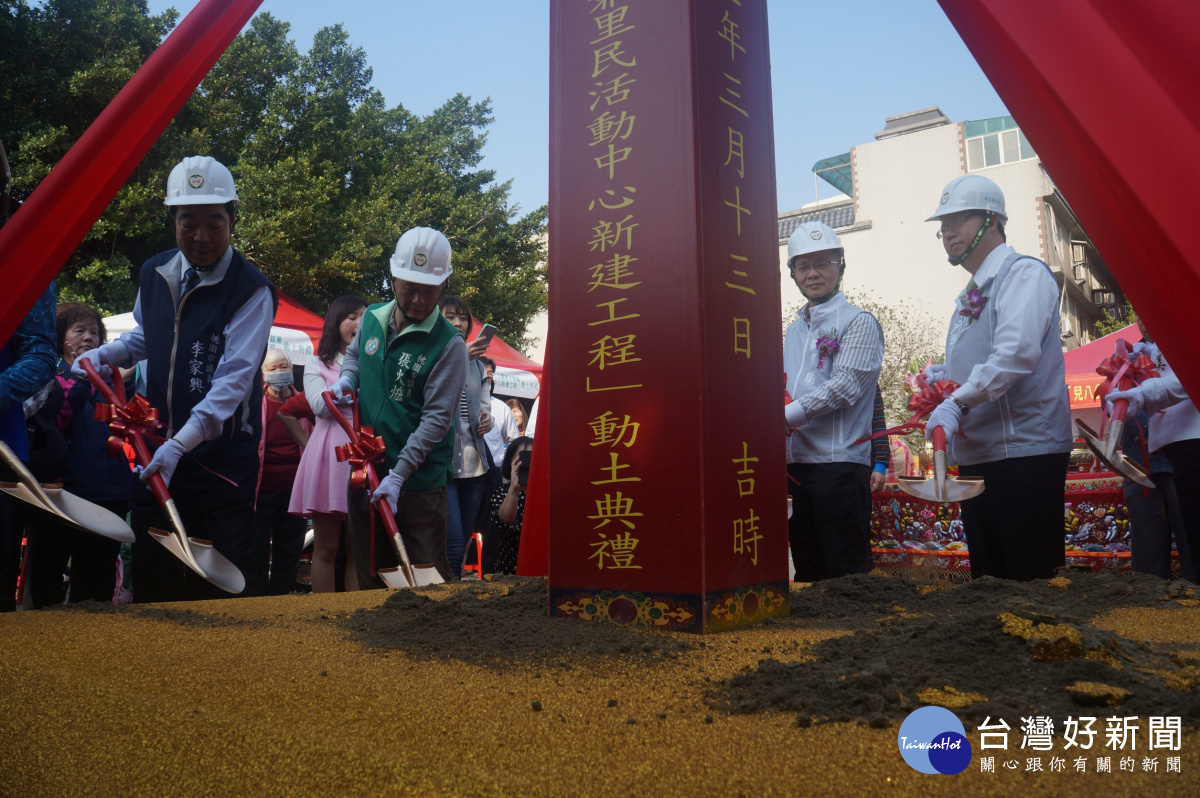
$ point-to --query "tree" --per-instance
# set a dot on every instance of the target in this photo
(328, 175)
(1111, 322)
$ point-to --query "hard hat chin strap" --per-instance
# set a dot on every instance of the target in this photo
(957, 260)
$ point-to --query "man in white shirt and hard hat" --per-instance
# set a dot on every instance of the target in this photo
(1008, 422)
(203, 315)
(832, 355)
(408, 365)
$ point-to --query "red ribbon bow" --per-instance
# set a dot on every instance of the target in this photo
(1121, 372)
(360, 455)
(122, 420)
(921, 404)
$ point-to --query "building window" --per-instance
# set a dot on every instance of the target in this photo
(995, 149)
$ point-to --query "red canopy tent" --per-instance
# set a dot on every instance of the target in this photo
(294, 316)
(1082, 379)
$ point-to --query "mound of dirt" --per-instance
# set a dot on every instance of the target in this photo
(988, 647)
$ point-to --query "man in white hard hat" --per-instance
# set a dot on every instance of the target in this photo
(203, 315)
(408, 365)
(832, 354)
(1005, 352)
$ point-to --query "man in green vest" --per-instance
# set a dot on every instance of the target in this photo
(408, 365)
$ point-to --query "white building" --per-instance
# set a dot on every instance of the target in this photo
(890, 185)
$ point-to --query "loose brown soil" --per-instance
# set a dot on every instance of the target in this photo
(469, 689)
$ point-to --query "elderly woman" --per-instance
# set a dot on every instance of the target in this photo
(93, 473)
(279, 535)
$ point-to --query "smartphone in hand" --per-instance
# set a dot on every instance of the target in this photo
(486, 333)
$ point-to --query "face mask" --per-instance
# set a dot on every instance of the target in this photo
(278, 379)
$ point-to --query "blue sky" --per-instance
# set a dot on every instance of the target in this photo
(838, 69)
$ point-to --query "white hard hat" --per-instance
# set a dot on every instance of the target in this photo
(970, 193)
(422, 256)
(811, 237)
(200, 180)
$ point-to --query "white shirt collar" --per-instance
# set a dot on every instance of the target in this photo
(992, 263)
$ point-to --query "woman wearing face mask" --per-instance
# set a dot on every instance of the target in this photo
(279, 535)
(472, 457)
(321, 482)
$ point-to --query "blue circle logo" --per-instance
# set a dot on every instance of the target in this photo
(933, 740)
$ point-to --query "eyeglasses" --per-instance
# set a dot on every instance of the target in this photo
(803, 267)
(952, 221)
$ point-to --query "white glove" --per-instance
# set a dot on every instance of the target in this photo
(794, 415)
(389, 488)
(343, 390)
(98, 356)
(936, 372)
(164, 461)
(1140, 348)
(1135, 396)
(947, 415)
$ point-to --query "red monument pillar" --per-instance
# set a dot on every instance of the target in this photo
(666, 435)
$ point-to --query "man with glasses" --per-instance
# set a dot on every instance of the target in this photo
(1008, 422)
(832, 354)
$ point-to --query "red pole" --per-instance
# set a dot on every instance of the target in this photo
(36, 242)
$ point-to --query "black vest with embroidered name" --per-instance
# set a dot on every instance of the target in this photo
(184, 344)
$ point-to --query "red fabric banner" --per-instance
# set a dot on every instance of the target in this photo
(1106, 92)
(37, 241)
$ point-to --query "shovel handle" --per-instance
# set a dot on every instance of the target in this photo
(939, 438)
(1119, 408)
(157, 486)
(351, 429)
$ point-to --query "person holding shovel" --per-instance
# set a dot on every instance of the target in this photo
(832, 354)
(408, 365)
(203, 315)
(1008, 422)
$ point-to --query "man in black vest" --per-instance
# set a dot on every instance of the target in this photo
(203, 316)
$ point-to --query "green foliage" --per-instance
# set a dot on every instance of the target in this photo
(1110, 323)
(328, 175)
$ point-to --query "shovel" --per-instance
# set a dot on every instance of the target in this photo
(197, 554)
(60, 503)
(1120, 463)
(942, 488)
(406, 574)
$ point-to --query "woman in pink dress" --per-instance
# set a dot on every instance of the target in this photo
(321, 481)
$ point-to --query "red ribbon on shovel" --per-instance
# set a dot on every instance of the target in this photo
(921, 404)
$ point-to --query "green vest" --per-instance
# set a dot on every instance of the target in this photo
(391, 387)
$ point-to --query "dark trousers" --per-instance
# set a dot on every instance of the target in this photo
(1185, 463)
(830, 527)
(278, 542)
(1154, 518)
(1015, 527)
(421, 517)
(93, 560)
(491, 480)
(11, 531)
(212, 509)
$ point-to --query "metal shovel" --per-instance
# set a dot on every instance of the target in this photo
(1118, 462)
(942, 488)
(406, 574)
(195, 553)
(62, 504)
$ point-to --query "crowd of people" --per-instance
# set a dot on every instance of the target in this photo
(251, 459)
(248, 456)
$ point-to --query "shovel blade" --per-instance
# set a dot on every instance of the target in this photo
(426, 575)
(210, 563)
(1120, 463)
(393, 577)
(91, 517)
(955, 489)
